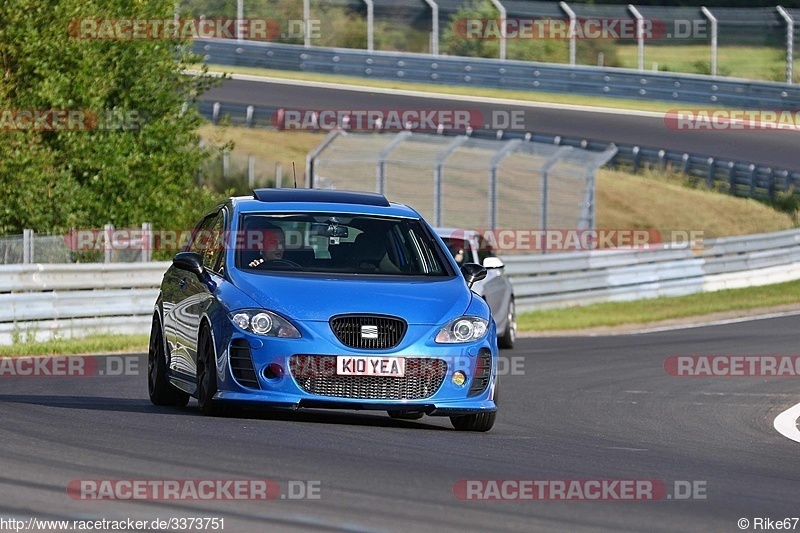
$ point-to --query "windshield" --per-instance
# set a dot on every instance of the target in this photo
(337, 243)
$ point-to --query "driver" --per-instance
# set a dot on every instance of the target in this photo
(273, 246)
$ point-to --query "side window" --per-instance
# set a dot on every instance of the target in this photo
(485, 249)
(207, 240)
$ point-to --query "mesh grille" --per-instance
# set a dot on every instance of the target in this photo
(387, 332)
(242, 364)
(316, 374)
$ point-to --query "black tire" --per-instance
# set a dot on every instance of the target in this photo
(509, 337)
(158, 386)
(207, 374)
(405, 415)
(476, 422)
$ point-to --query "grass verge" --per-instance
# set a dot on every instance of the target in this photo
(658, 309)
(95, 344)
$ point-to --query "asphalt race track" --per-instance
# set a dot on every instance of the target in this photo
(583, 408)
(768, 147)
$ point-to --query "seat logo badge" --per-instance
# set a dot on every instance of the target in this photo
(369, 332)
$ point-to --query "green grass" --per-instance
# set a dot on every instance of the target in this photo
(95, 344)
(758, 63)
(527, 96)
(649, 311)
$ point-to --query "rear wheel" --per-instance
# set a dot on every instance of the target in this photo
(158, 387)
(207, 374)
(510, 335)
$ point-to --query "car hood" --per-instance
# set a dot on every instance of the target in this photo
(318, 298)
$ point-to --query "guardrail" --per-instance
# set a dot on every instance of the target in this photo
(580, 278)
(505, 74)
(740, 178)
(43, 301)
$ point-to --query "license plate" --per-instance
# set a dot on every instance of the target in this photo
(371, 366)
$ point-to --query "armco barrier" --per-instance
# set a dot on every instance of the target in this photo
(41, 301)
(517, 75)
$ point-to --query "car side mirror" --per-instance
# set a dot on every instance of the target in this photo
(190, 262)
(493, 262)
(473, 272)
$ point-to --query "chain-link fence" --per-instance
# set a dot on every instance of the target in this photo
(108, 245)
(466, 182)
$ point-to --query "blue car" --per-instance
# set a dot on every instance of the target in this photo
(306, 298)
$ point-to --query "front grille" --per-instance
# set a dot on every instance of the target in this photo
(316, 374)
(242, 364)
(387, 332)
(483, 370)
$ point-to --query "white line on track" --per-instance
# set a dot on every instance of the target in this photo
(786, 423)
(440, 96)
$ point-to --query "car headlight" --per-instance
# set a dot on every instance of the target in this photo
(264, 323)
(463, 329)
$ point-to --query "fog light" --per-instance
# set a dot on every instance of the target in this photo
(459, 378)
(273, 370)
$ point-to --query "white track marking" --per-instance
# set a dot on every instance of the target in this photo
(786, 423)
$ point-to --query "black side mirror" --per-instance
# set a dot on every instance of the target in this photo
(190, 262)
(473, 272)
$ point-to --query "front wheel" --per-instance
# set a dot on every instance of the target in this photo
(510, 335)
(158, 387)
(476, 422)
(207, 374)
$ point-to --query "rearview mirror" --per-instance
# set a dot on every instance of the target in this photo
(473, 272)
(493, 262)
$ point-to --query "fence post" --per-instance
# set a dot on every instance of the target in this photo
(493, 164)
(434, 26)
(639, 33)
(370, 25)
(711, 171)
(27, 246)
(226, 161)
(147, 242)
(438, 178)
(239, 17)
(714, 38)
(251, 171)
(503, 28)
(306, 24)
(572, 35)
(789, 42)
(108, 231)
(278, 175)
(380, 168)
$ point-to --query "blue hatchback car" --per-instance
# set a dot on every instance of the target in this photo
(305, 298)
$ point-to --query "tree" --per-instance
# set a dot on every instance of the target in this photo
(139, 162)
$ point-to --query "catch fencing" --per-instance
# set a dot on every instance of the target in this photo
(463, 181)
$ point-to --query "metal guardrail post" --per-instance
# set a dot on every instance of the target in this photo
(311, 157)
(306, 24)
(711, 172)
(639, 33)
(572, 36)
(249, 116)
(370, 25)
(27, 246)
(438, 178)
(108, 231)
(434, 26)
(714, 38)
(380, 168)
(503, 28)
(493, 164)
(789, 42)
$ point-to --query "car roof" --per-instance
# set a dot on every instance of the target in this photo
(321, 200)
